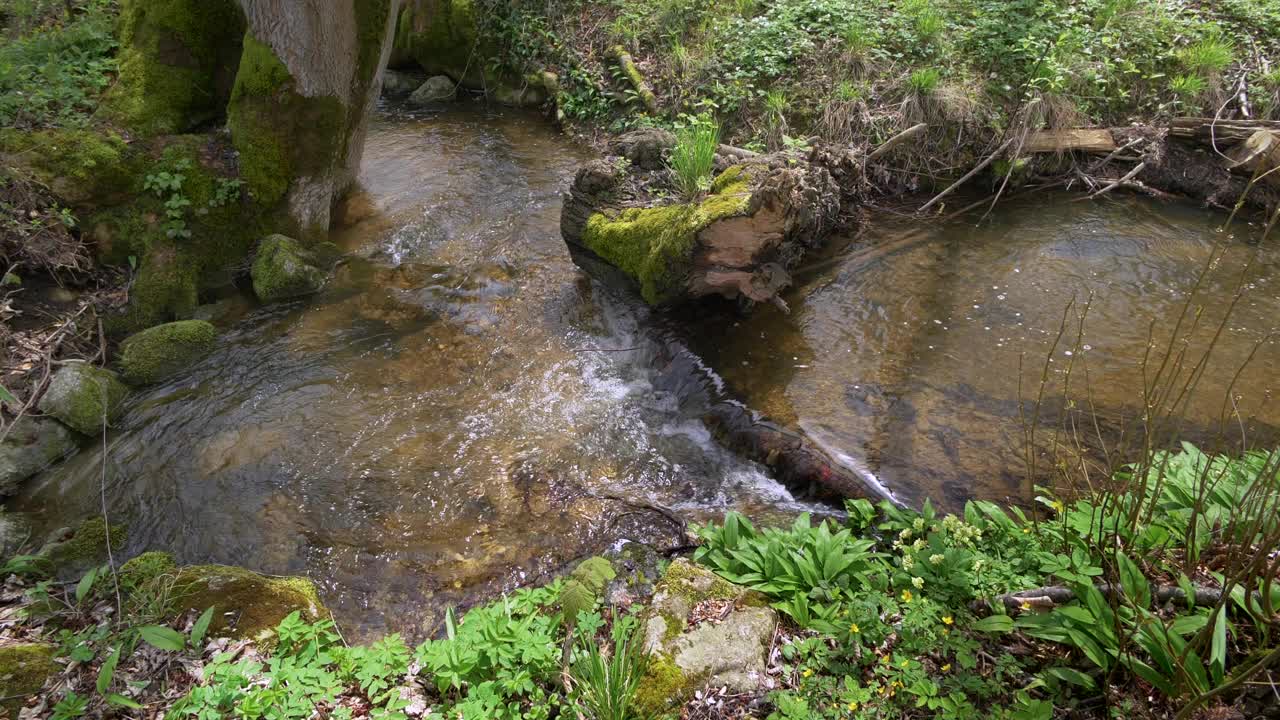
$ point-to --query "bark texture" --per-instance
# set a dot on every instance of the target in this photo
(298, 114)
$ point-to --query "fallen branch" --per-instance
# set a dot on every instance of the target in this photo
(634, 76)
(897, 140)
(1052, 596)
(1117, 183)
(981, 166)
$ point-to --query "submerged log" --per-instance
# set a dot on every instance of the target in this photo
(758, 220)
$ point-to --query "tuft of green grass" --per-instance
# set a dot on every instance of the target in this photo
(776, 102)
(924, 81)
(1208, 56)
(693, 158)
(606, 682)
(1187, 87)
(849, 91)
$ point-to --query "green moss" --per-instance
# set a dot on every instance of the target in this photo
(83, 397)
(246, 604)
(281, 135)
(443, 37)
(86, 549)
(371, 25)
(156, 353)
(654, 246)
(283, 269)
(176, 59)
(660, 688)
(24, 668)
(166, 287)
(80, 166)
(144, 568)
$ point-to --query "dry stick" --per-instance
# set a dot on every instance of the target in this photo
(981, 166)
(1247, 189)
(106, 522)
(1114, 154)
(1026, 130)
(896, 140)
(1117, 183)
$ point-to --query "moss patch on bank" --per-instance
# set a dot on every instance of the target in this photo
(176, 61)
(654, 246)
(246, 604)
(24, 668)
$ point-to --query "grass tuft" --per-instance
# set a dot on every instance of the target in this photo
(693, 158)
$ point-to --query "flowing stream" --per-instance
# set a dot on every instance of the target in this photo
(463, 411)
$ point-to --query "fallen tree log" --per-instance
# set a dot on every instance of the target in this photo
(1259, 156)
(1045, 598)
(1092, 140)
(739, 240)
(641, 88)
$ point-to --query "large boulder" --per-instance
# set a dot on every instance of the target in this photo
(84, 397)
(245, 604)
(760, 218)
(284, 269)
(436, 89)
(702, 631)
(398, 84)
(15, 531)
(157, 353)
(32, 445)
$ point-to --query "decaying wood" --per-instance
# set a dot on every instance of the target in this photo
(1221, 132)
(635, 78)
(1258, 156)
(1092, 140)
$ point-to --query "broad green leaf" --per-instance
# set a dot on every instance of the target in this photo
(122, 701)
(162, 637)
(994, 624)
(1072, 676)
(1218, 647)
(201, 627)
(1132, 580)
(85, 585)
(7, 397)
(108, 671)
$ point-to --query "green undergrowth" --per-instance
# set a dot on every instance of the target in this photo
(862, 69)
(889, 613)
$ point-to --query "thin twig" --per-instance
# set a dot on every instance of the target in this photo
(981, 166)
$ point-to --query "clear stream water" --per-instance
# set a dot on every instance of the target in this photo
(462, 410)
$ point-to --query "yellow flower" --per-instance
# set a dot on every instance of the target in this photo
(807, 672)
(853, 628)
(906, 663)
(853, 706)
(1056, 505)
(906, 596)
(1026, 531)
(884, 659)
(1026, 605)
(882, 691)
(946, 668)
(948, 620)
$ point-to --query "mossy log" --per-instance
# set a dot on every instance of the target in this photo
(633, 75)
(758, 220)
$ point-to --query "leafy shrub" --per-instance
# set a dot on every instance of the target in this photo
(54, 73)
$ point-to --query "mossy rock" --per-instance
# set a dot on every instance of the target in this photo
(32, 445)
(654, 246)
(159, 352)
(246, 604)
(177, 61)
(143, 569)
(86, 549)
(285, 269)
(682, 658)
(84, 397)
(24, 668)
(441, 36)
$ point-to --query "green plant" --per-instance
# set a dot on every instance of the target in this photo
(924, 81)
(71, 706)
(1188, 87)
(1208, 56)
(605, 684)
(693, 158)
(168, 186)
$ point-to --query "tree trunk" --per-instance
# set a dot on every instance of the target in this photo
(307, 81)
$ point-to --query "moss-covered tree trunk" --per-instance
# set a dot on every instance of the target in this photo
(299, 109)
